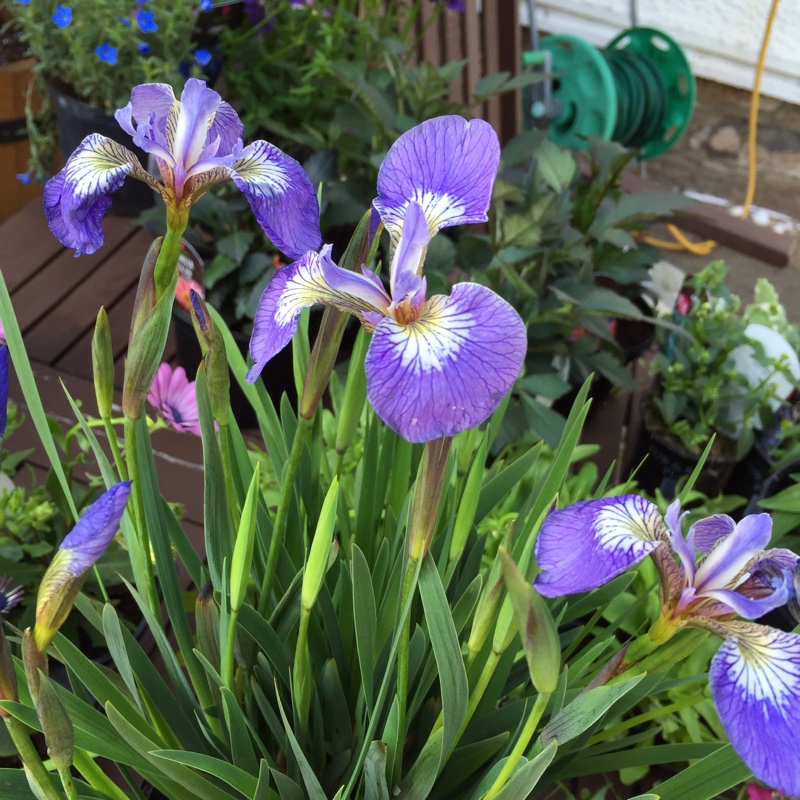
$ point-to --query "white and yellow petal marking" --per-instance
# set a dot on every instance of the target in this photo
(755, 681)
(450, 368)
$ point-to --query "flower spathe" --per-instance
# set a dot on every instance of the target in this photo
(718, 571)
(78, 553)
(197, 142)
(173, 396)
(438, 365)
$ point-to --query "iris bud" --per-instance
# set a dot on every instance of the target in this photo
(56, 724)
(213, 349)
(317, 563)
(103, 365)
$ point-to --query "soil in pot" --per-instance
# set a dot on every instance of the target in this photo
(668, 460)
(75, 120)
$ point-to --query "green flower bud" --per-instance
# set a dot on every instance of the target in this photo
(317, 563)
(206, 615)
(536, 626)
(489, 602)
(151, 317)
(212, 346)
(56, 724)
(245, 539)
(427, 496)
(103, 365)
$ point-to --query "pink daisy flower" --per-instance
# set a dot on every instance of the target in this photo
(173, 397)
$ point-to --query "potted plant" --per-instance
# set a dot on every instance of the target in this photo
(87, 54)
(720, 375)
(561, 249)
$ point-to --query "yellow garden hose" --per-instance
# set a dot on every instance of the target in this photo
(704, 248)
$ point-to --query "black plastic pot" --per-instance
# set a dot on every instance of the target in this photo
(668, 461)
(751, 474)
(75, 120)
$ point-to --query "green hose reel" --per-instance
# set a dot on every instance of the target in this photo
(639, 91)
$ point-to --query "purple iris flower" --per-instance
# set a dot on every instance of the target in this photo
(10, 596)
(3, 387)
(197, 142)
(755, 674)
(435, 366)
(146, 20)
(106, 53)
(62, 16)
(78, 553)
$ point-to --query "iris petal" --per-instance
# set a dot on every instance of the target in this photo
(449, 369)
(282, 197)
(674, 520)
(313, 279)
(705, 533)
(755, 681)
(447, 165)
(411, 247)
(77, 198)
(730, 555)
(750, 607)
(585, 545)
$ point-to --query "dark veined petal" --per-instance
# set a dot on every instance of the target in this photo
(448, 370)
(585, 545)
(751, 607)
(282, 197)
(447, 165)
(77, 198)
(93, 533)
(729, 556)
(755, 681)
(313, 279)
(705, 533)
(228, 127)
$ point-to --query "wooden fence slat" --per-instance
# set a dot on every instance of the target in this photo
(472, 48)
(510, 42)
(490, 40)
(452, 23)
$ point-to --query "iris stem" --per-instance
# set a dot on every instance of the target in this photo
(68, 784)
(300, 675)
(520, 747)
(111, 434)
(35, 769)
(279, 526)
(141, 562)
(229, 657)
(167, 259)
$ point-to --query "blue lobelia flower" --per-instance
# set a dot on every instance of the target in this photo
(755, 674)
(62, 16)
(202, 56)
(143, 47)
(206, 5)
(78, 553)
(106, 53)
(197, 142)
(3, 387)
(435, 366)
(146, 20)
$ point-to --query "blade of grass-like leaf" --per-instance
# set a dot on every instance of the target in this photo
(27, 382)
(496, 488)
(366, 619)
(235, 778)
(116, 646)
(265, 412)
(244, 756)
(708, 778)
(524, 779)
(697, 470)
(446, 649)
(315, 790)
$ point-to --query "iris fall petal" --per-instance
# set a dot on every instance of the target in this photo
(449, 369)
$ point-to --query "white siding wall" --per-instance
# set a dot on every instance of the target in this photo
(721, 37)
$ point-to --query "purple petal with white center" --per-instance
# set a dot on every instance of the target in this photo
(197, 110)
(449, 369)
(77, 198)
(674, 520)
(705, 533)
(93, 533)
(410, 250)
(447, 165)
(755, 682)
(282, 197)
(313, 279)
(729, 557)
(750, 607)
(585, 545)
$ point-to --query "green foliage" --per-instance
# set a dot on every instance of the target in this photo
(700, 389)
